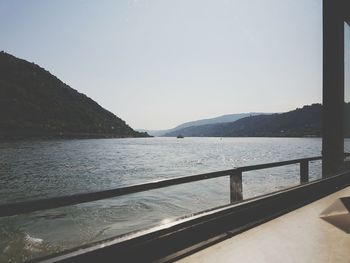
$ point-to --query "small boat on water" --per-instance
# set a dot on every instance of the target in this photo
(180, 136)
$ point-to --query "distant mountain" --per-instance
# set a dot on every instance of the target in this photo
(300, 122)
(155, 133)
(220, 119)
(34, 103)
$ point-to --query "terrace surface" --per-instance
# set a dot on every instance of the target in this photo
(299, 236)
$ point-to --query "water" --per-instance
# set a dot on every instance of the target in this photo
(37, 169)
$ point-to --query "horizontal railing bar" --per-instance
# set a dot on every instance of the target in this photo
(56, 202)
(276, 164)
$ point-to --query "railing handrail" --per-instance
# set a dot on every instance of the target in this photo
(68, 200)
(276, 164)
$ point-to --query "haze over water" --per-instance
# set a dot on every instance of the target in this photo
(38, 169)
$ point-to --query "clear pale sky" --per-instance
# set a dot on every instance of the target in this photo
(158, 63)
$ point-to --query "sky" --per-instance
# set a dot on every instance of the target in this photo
(159, 63)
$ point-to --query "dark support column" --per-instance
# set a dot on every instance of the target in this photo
(333, 86)
(236, 189)
(347, 11)
(304, 172)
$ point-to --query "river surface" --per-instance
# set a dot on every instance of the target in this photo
(45, 168)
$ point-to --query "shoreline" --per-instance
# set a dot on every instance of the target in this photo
(52, 136)
(111, 136)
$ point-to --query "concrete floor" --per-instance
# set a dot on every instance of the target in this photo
(299, 236)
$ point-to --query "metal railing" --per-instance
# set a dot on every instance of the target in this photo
(236, 189)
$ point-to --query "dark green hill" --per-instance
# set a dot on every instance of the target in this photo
(34, 103)
(300, 122)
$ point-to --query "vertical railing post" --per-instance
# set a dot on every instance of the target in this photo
(304, 171)
(236, 189)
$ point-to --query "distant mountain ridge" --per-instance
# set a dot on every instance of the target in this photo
(34, 103)
(220, 119)
(300, 122)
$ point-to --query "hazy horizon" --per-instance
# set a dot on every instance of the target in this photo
(212, 117)
(157, 64)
